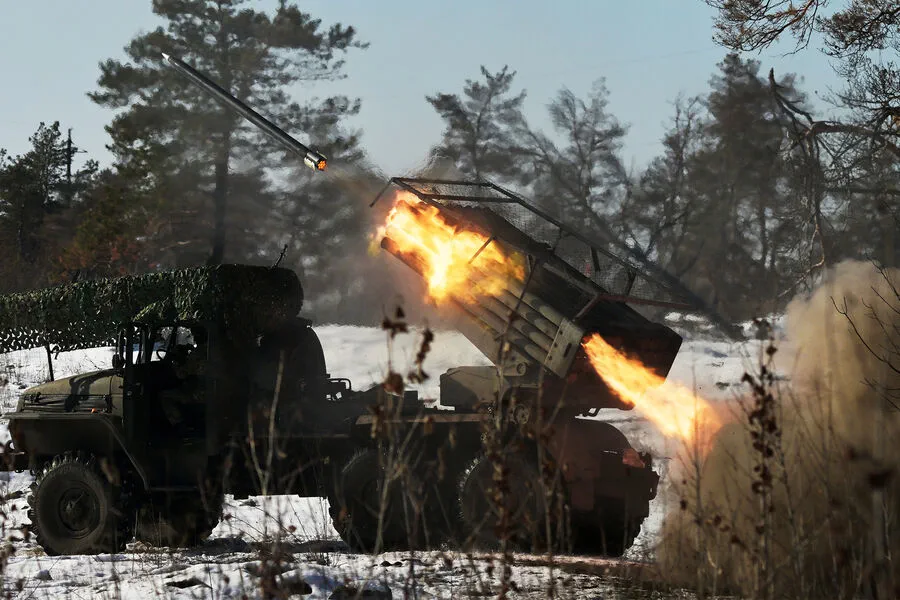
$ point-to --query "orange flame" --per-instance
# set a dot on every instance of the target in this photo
(673, 408)
(456, 261)
(460, 262)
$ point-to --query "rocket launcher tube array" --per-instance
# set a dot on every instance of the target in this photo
(499, 311)
(515, 290)
(513, 315)
(513, 336)
(520, 322)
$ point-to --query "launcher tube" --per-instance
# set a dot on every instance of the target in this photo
(508, 301)
(517, 289)
(513, 337)
(518, 322)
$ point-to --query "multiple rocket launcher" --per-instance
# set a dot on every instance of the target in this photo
(516, 327)
(532, 327)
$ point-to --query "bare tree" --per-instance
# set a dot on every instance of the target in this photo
(864, 38)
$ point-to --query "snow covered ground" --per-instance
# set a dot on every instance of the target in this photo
(228, 564)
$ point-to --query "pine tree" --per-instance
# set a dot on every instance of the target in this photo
(721, 207)
(581, 179)
(36, 188)
(479, 134)
(212, 172)
(106, 230)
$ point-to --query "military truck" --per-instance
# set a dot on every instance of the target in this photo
(149, 443)
(217, 386)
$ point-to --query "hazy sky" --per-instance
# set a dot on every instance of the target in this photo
(648, 51)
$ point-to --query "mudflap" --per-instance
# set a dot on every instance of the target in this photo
(609, 485)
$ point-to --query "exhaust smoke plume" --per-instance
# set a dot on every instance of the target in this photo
(788, 502)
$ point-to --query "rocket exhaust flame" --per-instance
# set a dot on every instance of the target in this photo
(454, 259)
(460, 263)
(674, 409)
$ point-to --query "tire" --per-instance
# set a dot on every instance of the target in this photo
(179, 520)
(354, 507)
(441, 517)
(525, 500)
(75, 509)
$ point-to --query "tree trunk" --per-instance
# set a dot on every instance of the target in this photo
(220, 201)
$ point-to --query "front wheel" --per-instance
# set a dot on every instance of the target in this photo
(75, 509)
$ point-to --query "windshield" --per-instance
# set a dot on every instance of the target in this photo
(160, 344)
(175, 340)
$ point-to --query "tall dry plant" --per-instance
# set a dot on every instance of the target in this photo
(782, 505)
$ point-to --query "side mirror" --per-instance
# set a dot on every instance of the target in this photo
(117, 362)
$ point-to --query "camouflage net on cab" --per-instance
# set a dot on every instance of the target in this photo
(242, 299)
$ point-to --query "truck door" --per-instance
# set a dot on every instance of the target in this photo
(177, 376)
(132, 348)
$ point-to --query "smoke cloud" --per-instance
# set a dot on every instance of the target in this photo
(793, 509)
(375, 283)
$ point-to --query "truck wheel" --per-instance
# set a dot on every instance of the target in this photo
(524, 501)
(355, 507)
(441, 516)
(180, 520)
(75, 509)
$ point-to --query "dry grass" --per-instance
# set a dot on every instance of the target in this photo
(782, 507)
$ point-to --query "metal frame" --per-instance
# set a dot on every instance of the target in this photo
(562, 267)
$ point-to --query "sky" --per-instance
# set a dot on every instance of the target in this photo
(648, 52)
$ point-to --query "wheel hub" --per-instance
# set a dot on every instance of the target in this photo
(78, 511)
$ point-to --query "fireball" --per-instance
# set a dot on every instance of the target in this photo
(456, 261)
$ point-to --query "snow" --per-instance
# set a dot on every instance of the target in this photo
(362, 354)
(228, 564)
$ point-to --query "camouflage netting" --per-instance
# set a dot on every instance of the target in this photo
(88, 314)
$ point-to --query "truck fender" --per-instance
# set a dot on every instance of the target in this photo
(53, 435)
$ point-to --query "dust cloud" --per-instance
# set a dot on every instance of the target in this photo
(848, 359)
(792, 510)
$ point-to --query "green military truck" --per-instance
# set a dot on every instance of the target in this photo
(216, 386)
(151, 444)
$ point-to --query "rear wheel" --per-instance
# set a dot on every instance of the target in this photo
(359, 513)
(76, 509)
(522, 502)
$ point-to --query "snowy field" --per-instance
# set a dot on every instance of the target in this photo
(318, 566)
